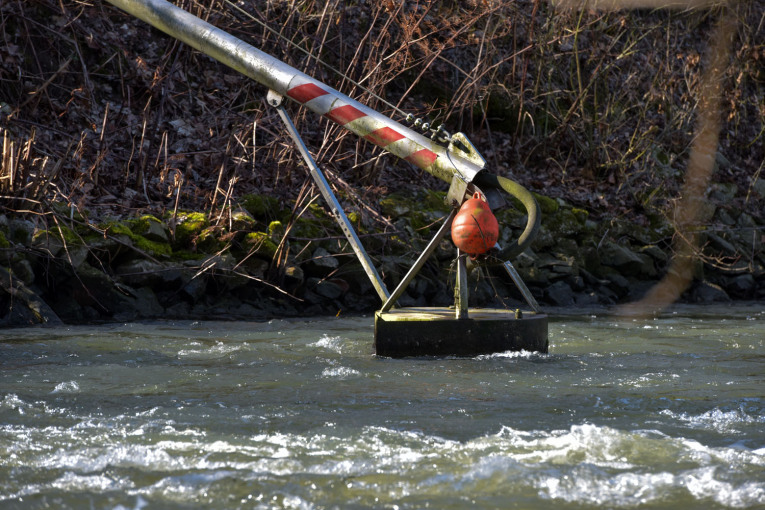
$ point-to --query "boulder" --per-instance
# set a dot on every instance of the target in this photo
(705, 292)
(155, 231)
(20, 306)
(22, 269)
(20, 231)
(626, 260)
(143, 304)
(332, 288)
(560, 294)
(741, 286)
(142, 272)
(321, 263)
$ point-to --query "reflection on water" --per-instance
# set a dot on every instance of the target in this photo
(299, 414)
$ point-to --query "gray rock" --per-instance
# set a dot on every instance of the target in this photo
(293, 276)
(723, 192)
(721, 244)
(115, 245)
(560, 294)
(96, 289)
(587, 299)
(20, 231)
(332, 289)
(156, 232)
(654, 252)
(48, 242)
(257, 267)
(322, 262)
(742, 286)
(723, 216)
(638, 290)
(196, 288)
(706, 292)
(616, 255)
(179, 310)
(313, 298)
(142, 272)
(406, 300)
(607, 296)
(759, 187)
(75, 255)
(143, 305)
(534, 275)
(543, 240)
(24, 306)
(626, 260)
(746, 221)
(22, 269)
(619, 283)
(576, 283)
(361, 302)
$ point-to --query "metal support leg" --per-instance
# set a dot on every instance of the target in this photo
(521, 286)
(429, 249)
(461, 287)
(275, 99)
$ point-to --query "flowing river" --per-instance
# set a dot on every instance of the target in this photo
(665, 413)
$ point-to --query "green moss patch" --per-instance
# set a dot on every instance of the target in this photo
(261, 206)
(154, 248)
(261, 244)
(189, 225)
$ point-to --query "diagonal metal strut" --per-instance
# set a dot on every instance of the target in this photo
(275, 100)
(429, 249)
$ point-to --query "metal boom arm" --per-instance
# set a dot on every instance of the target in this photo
(316, 96)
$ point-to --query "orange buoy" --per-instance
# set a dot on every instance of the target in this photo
(475, 229)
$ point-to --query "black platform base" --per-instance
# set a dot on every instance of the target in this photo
(436, 332)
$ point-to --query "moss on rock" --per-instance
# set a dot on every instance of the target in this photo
(396, 205)
(188, 226)
(261, 244)
(153, 248)
(546, 204)
(263, 207)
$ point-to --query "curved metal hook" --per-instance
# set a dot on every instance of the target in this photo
(533, 212)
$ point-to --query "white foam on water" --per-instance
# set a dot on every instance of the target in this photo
(716, 419)
(11, 401)
(523, 354)
(585, 464)
(67, 387)
(339, 373)
(73, 482)
(704, 483)
(331, 343)
(214, 351)
(590, 485)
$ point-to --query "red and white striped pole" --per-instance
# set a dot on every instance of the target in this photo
(277, 76)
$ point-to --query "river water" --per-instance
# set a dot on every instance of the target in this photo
(666, 413)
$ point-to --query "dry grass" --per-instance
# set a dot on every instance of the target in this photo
(103, 113)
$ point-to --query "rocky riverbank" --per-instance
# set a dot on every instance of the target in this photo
(264, 260)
